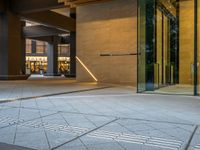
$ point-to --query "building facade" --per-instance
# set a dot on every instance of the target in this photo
(152, 44)
(149, 44)
(37, 61)
(168, 46)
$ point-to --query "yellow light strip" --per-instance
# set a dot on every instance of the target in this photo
(84, 66)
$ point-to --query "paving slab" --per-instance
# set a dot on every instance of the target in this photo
(112, 118)
(5, 146)
(195, 143)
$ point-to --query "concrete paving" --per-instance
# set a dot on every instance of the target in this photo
(39, 86)
(97, 116)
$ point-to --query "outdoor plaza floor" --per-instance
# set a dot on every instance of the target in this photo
(62, 114)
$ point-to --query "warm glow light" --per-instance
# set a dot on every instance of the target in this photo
(74, 3)
(87, 69)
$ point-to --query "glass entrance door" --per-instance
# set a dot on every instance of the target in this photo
(166, 55)
(166, 46)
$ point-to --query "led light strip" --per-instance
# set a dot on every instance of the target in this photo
(86, 68)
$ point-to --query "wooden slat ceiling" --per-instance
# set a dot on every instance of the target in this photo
(74, 3)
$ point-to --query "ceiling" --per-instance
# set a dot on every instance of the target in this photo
(63, 11)
(74, 3)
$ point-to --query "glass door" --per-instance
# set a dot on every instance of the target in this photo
(166, 62)
(166, 46)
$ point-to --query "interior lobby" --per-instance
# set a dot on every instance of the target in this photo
(172, 59)
(99, 74)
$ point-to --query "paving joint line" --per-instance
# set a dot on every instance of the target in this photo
(84, 134)
(159, 121)
(102, 95)
(120, 145)
(69, 112)
(41, 119)
(100, 115)
(191, 137)
(84, 144)
(19, 112)
(54, 94)
(118, 119)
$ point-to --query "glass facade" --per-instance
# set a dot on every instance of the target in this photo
(41, 47)
(36, 57)
(167, 47)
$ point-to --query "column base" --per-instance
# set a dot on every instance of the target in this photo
(52, 74)
(70, 75)
(14, 77)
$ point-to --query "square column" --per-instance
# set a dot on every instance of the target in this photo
(12, 47)
(73, 54)
(52, 56)
(73, 46)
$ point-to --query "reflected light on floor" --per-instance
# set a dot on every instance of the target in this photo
(85, 67)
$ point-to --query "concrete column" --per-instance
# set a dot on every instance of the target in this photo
(52, 56)
(23, 51)
(73, 47)
(73, 54)
(12, 47)
(33, 46)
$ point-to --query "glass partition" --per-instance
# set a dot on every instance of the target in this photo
(166, 46)
(198, 45)
(141, 46)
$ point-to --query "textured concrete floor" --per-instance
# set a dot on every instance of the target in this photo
(62, 114)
